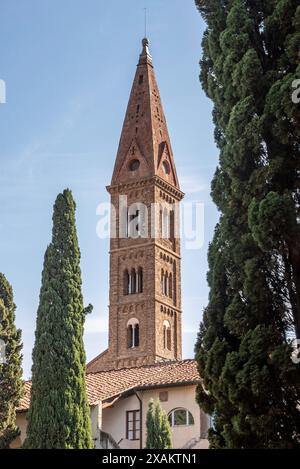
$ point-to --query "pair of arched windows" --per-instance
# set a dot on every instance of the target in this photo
(133, 223)
(133, 333)
(167, 284)
(133, 281)
(137, 218)
(167, 223)
(167, 336)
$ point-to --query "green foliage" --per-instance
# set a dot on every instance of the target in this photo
(250, 60)
(59, 412)
(11, 386)
(159, 434)
(273, 219)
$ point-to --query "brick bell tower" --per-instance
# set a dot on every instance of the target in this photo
(145, 265)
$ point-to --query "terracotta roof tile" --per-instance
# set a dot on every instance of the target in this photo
(106, 385)
(25, 402)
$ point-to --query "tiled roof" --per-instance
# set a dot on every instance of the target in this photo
(106, 385)
(25, 402)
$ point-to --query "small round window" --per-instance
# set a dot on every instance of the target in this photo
(134, 165)
(166, 167)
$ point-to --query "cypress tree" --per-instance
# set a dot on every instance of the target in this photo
(11, 386)
(159, 434)
(150, 426)
(250, 61)
(59, 412)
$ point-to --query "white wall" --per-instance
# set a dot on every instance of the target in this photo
(114, 418)
(114, 421)
(22, 425)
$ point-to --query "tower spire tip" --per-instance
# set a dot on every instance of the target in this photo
(145, 55)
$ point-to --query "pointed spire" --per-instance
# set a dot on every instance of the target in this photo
(145, 142)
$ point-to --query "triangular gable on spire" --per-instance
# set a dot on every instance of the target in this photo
(166, 169)
(134, 165)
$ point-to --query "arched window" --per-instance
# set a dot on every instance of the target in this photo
(126, 282)
(170, 286)
(137, 221)
(133, 333)
(174, 280)
(172, 225)
(129, 336)
(140, 280)
(167, 336)
(133, 282)
(161, 222)
(133, 222)
(162, 281)
(181, 417)
(165, 223)
(136, 334)
(166, 282)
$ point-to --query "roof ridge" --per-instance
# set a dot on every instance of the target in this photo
(158, 364)
(97, 357)
(104, 385)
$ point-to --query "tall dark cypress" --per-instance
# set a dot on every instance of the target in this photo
(59, 412)
(250, 62)
(11, 386)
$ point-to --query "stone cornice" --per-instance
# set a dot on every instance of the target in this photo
(140, 183)
(173, 191)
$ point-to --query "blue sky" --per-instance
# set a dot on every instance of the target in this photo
(68, 67)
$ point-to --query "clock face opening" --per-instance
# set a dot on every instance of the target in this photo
(134, 165)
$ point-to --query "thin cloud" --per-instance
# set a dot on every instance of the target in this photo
(96, 326)
(193, 183)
